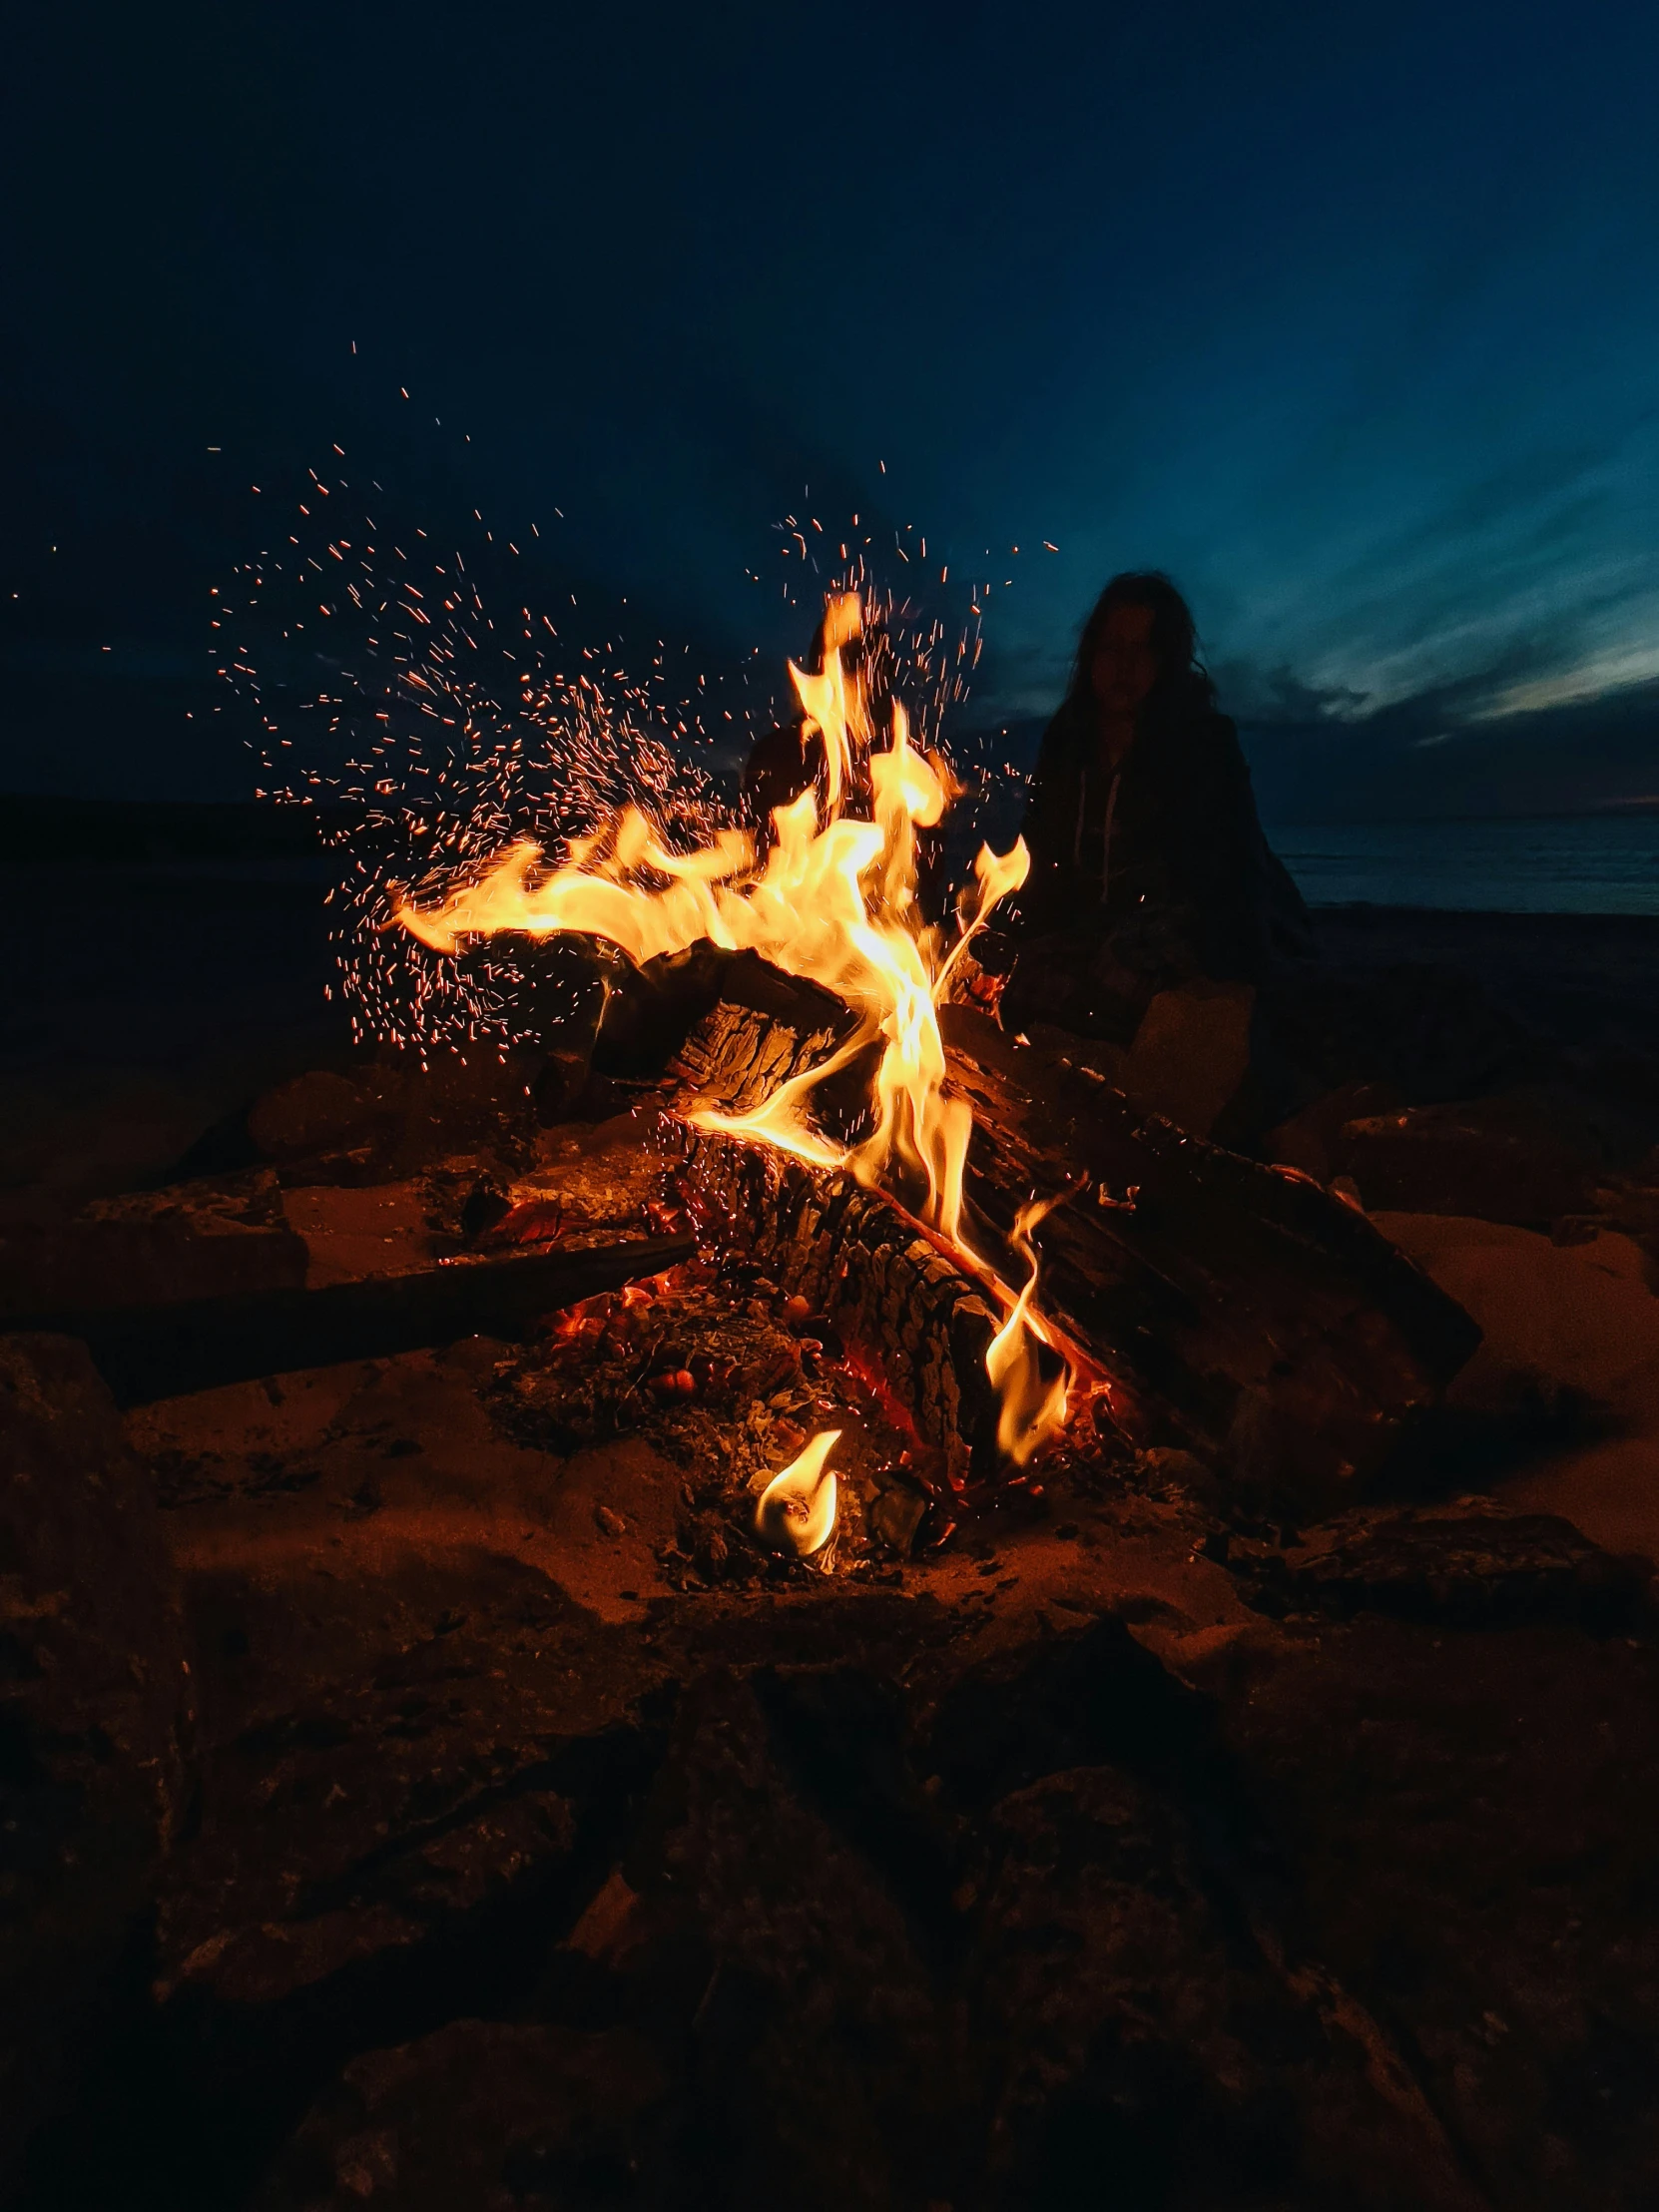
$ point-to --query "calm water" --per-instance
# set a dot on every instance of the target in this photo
(1574, 864)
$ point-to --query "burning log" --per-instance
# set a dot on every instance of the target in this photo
(1243, 1315)
(157, 1352)
(852, 1255)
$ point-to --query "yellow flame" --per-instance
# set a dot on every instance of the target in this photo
(834, 902)
(797, 1510)
(838, 714)
(1032, 1406)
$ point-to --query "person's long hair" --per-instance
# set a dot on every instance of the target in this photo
(1174, 641)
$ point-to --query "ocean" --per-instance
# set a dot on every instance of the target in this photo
(1571, 865)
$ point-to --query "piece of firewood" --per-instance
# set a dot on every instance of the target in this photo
(156, 1351)
(1271, 1327)
(1245, 1314)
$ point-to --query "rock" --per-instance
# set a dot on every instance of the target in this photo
(1066, 1701)
(896, 1516)
(1554, 1318)
(747, 1929)
(391, 1117)
(1426, 1032)
(1465, 1820)
(1567, 1377)
(421, 1894)
(1130, 2029)
(1526, 1158)
(373, 1830)
(559, 1087)
(94, 1714)
(1311, 1141)
(484, 2113)
(484, 1206)
(1476, 1567)
(317, 1113)
(1166, 1463)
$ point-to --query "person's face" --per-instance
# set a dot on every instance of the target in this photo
(1124, 667)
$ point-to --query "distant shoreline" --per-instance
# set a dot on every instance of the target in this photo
(1601, 865)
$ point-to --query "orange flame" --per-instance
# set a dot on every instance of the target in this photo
(1033, 1405)
(834, 902)
(797, 1508)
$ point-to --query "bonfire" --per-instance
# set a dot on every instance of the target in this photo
(834, 901)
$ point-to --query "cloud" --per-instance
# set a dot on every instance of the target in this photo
(1429, 755)
(1278, 695)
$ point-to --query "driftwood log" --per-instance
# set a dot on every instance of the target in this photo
(146, 1352)
(1232, 1310)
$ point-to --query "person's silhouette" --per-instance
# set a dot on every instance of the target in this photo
(1148, 863)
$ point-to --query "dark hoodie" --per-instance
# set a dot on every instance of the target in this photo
(1167, 844)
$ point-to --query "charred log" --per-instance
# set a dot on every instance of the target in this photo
(1262, 1322)
(1248, 1315)
(157, 1352)
(851, 1253)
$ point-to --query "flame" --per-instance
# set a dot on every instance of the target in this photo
(834, 902)
(1033, 1405)
(797, 1508)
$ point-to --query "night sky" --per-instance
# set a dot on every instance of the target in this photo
(1348, 316)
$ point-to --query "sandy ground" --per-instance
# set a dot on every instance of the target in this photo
(1578, 1318)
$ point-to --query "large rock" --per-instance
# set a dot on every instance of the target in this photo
(1576, 1319)
(1138, 2043)
(94, 1700)
(1529, 1157)
(1467, 1821)
(391, 1116)
(383, 1833)
(1474, 1564)
(1426, 1032)
(484, 2113)
(764, 1944)
(317, 1113)
(1569, 1365)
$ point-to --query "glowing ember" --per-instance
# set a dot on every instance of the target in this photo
(797, 1508)
(834, 902)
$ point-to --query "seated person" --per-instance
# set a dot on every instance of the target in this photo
(1148, 863)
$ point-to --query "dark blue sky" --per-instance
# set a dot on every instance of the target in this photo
(1349, 317)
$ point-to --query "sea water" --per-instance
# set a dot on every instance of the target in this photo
(1571, 865)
